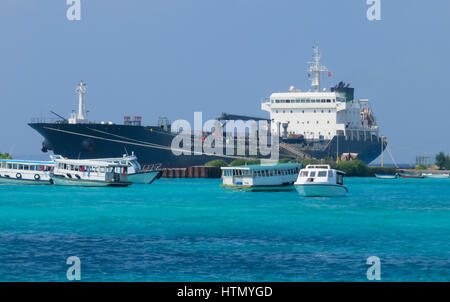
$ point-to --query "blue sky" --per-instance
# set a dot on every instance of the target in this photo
(174, 57)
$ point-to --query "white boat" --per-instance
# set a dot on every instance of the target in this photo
(136, 174)
(25, 172)
(321, 181)
(89, 173)
(277, 177)
(386, 176)
(431, 175)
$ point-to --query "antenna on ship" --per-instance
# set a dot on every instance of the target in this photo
(316, 69)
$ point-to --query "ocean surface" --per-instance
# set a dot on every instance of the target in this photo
(193, 230)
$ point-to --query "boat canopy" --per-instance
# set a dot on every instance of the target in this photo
(95, 163)
(27, 162)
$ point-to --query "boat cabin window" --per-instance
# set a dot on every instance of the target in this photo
(312, 174)
(330, 174)
(322, 174)
(304, 174)
(339, 179)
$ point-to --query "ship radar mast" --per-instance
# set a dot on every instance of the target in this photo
(316, 69)
(81, 90)
(79, 117)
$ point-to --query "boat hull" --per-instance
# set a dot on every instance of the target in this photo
(17, 181)
(321, 190)
(152, 145)
(386, 176)
(268, 188)
(144, 177)
(412, 176)
(63, 181)
(437, 176)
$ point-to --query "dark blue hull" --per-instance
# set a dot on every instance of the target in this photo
(152, 145)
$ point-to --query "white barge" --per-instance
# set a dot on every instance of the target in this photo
(278, 177)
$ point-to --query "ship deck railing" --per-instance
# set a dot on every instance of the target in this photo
(47, 120)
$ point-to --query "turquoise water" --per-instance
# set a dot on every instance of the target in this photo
(193, 230)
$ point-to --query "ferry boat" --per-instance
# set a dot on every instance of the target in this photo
(25, 172)
(277, 177)
(136, 174)
(320, 123)
(89, 173)
(321, 181)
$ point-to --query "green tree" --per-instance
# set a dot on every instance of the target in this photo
(441, 160)
(313, 161)
(243, 162)
(354, 168)
(284, 160)
(5, 156)
(447, 163)
(217, 163)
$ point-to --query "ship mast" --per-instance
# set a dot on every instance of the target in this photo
(81, 90)
(316, 69)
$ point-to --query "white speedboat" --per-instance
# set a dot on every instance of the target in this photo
(277, 177)
(89, 173)
(136, 174)
(25, 172)
(321, 180)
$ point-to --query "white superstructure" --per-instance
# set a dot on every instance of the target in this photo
(320, 114)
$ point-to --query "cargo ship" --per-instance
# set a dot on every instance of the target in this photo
(318, 123)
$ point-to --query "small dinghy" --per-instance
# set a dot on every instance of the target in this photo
(386, 176)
